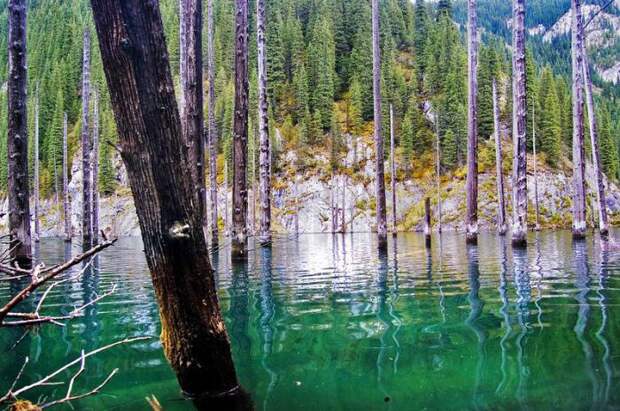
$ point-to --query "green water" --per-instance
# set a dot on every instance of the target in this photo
(325, 323)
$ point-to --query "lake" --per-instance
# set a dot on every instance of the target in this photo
(324, 322)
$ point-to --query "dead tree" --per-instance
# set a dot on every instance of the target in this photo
(378, 137)
(66, 205)
(18, 192)
(519, 121)
(37, 180)
(438, 172)
(536, 206)
(192, 117)
(240, 133)
(393, 170)
(86, 147)
(94, 167)
(212, 125)
(427, 221)
(263, 129)
(471, 220)
(136, 65)
(579, 166)
(226, 221)
(501, 205)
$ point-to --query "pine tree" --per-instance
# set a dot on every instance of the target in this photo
(321, 61)
(551, 128)
(302, 94)
(449, 153)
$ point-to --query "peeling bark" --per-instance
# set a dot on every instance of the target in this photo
(536, 203)
(86, 147)
(471, 220)
(212, 125)
(95, 171)
(263, 128)
(37, 182)
(501, 205)
(438, 173)
(393, 170)
(66, 205)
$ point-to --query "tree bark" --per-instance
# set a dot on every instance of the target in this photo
(86, 147)
(579, 190)
(136, 64)
(501, 205)
(226, 221)
(378, 137)
(393, 170)
(594, 140)
(212, 126)
(192, 117)
(37, 180)
(17, 144)
(240, 130)
(472, 125)
(536, 206)
(427, 221)
(263, 129)
(66, 205)
(519, 119)
(95, 170)
(438, 173)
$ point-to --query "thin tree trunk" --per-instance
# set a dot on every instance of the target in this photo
(263, 128)
(86, 147)
(472, 125)
(343, 217)
(66, 205)
(393, 170)
(536, 206)
(212, 126)
(334, 207)
(226, 221)
(596, 157)
(438, 173)
(579, 191)
(19, 195)
(427, 221)
(192, 117)
(501, 205)
(37, 182)
(519, 118)
(95, 169)
(240, 126)
(379, 163)
(136, 64)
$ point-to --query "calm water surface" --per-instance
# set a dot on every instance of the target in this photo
(325, 323)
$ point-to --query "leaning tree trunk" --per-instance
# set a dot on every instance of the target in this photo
(18, 193)
(376, 82)
(95, 171)
(594, 141)
(579, 167)
(86, 147)
(37, 180)
(263, 129)
(66, 205)
(136, 64)
(393, 170)
(471, 218)
(212, 126)
(192, 118)
(519, 121)
(536, 206)
(240, 130)
(501, 206)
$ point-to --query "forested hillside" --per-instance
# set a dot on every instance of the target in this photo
(320, 79)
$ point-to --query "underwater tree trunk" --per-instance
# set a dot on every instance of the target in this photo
(501, 205)
(379, 160)
(519, 118)
(263, 129)
(86, 147)
(579, 184)
(393, 169)
(17, 144)
(95, 170)
(536, 206)
(471, 220)
(212, 125)
(240, 130)
(66, 205)
(136, 64)
(37, 182)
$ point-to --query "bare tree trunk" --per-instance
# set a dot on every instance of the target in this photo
(334, 207)
(66, 205)
(37, 182)
(240, 126)
(380, 177)
(136, 64)
(519, 118)
(95, 169)
(438, 173)
(393, 170)
(212, 127)
(343, 217)
(86, 147)
(226, 221)
(537, 208)
(596, 157)
(19, 196)
(579, 191)
(427, 221)
(263, 129)
(501, 205)
(472, 125)
(192, 117)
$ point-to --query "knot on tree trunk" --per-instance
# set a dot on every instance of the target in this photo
(179, 231)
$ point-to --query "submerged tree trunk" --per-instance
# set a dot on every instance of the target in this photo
(192, 118)
(212, 126)
(393, 170)
(472, 125)
(37, 182)
(536, 207)
(427, 221)
(86, 147)
(66, 205)
(519, 119)
(379, 163)
(95, 170)
(136, 64)
(240, 130)
(501, 206)
(438, 172)
(263, 129)
(579, 184)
